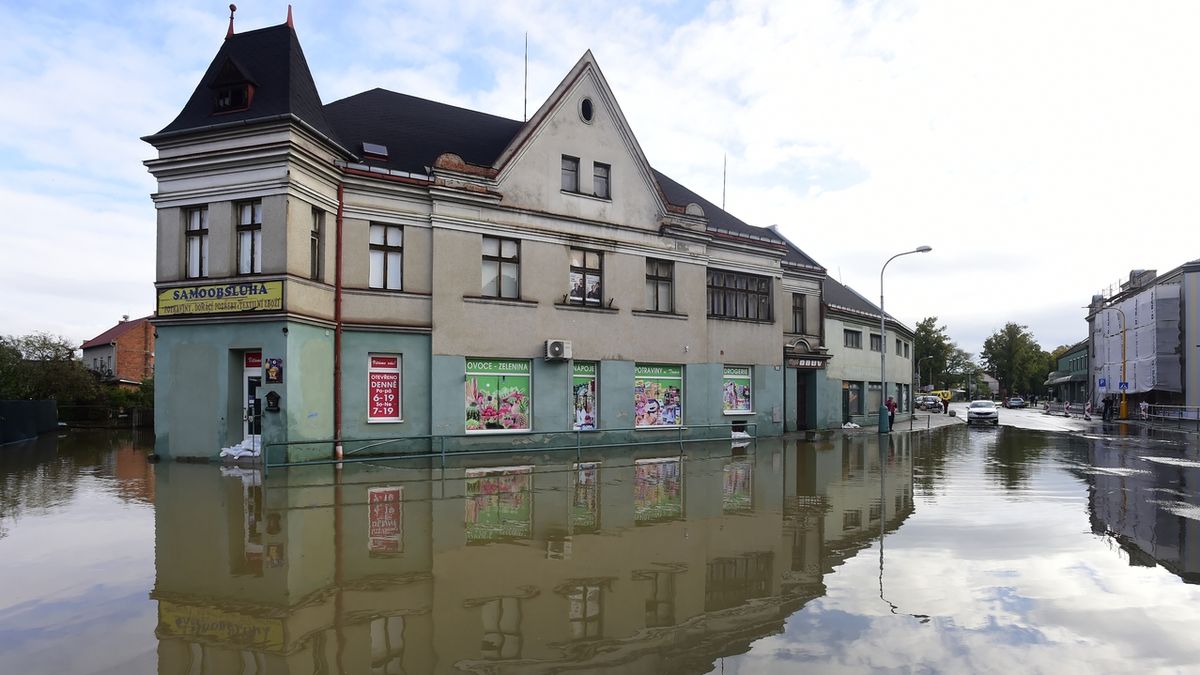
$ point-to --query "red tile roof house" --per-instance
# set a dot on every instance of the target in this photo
(123, 355)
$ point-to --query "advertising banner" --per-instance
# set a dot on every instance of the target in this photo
(657, 396)
(583, 395)
(499, 503)
(657, 490)
(250, 296)
(383, 388)
(736, 390)
(219, 626)
(497, 395)
(385, 521)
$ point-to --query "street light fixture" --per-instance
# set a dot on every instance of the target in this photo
(919, 362)
(883, 424)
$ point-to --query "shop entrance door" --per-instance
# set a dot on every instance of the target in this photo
(251, 403)
(802, 421)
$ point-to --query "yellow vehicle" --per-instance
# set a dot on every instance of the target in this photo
(944, 394)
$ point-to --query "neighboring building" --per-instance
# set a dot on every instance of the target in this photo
(123, 355)
(1069, 381)
(1147, 334)
(386, 267)
(852, 324)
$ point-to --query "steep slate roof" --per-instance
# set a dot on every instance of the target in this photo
(718, 218)
(271, 59)
(416, 130)
(109, 336)
(837, 295)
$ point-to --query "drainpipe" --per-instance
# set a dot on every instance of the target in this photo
(337, 327)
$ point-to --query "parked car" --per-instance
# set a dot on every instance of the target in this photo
(983, 412)
(1014, 402)
(930, 403)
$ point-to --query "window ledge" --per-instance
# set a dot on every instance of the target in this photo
(730, 318)
(399, 292)
(586, 308)
(660, 315)
(511, 302)
(607, 200)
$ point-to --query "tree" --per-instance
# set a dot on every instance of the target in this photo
(1015, 359)
(43, 366)
(930, 342)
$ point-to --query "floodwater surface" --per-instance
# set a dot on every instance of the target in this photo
(953, 550)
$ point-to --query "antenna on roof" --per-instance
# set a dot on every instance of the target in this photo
(232, 9)
(724, 165)
(525, 112)
(289, 19)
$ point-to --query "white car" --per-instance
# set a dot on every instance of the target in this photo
(983, 412)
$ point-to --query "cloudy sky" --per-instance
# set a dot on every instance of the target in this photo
(1042, 149)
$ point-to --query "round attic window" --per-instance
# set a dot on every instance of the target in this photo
(586, 111)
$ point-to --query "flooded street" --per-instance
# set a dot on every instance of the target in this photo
(953, 550)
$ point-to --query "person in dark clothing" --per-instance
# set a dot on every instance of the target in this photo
(945, 406)
(1108, 408)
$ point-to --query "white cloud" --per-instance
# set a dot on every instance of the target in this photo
(1042, 150)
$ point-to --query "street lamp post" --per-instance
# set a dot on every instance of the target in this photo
(919, 362)
(883, 415)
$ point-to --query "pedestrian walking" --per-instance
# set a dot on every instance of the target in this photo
(891, 408)
(1107, 415)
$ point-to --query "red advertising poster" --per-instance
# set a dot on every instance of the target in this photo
(385, 530)
(254, 359)
(383, 389)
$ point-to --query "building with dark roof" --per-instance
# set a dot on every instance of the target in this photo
(852, 324)
(389, 267)
(122, 355)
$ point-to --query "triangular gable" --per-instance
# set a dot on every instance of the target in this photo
(231, 73)
(561, 108)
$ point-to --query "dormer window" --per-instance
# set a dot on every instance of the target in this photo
(232, 98)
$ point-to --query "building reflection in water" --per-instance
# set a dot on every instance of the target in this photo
(647, 560)
(1145, 499)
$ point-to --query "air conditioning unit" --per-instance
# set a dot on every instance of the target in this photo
(558, 350)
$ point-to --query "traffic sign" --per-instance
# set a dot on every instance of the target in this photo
(1123, 386)
(1103, 383)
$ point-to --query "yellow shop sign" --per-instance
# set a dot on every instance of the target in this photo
(219, 626)
(248, 296)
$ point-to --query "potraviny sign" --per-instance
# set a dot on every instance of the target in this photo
(249, 296)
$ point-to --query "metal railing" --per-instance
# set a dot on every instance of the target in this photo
(434, 446)
(1179, 416)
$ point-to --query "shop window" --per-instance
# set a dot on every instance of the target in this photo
(853, 339)
(387, 257)
(498, 504)
(196, 246)
(736, 390)
(501, 268)
(660, 295)
(737, 494)
(586, 611)
(585, 277)
(249, 230)
(657, 396)
(583, 395)
(874, 397)
(854, 392)
(497, 395)
(383, 388)
(734, 295)
(387, 644)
